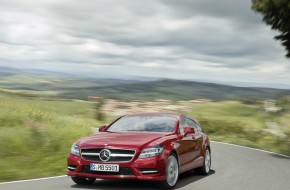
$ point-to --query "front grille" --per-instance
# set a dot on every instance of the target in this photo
(112, 159)
(117, 155)
(122, 171)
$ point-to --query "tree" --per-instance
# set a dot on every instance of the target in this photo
(277, 14)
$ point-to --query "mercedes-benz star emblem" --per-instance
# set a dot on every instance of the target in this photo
(105, 155)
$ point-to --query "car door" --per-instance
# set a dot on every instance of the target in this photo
(186, 148)
(196, 138)
(199, 139)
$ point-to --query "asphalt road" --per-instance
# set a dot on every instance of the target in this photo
(233, 167)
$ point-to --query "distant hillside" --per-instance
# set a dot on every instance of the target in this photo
(7, 71)
(71, 86)
(175, 90)
(40, 80)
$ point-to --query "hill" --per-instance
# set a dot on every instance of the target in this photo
(175, 90)
(61, 85)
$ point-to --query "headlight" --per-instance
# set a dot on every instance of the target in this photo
(151, 152)
(75, 150)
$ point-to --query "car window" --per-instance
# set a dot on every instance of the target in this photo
(182, 124)
(191, 123)
(188, 122)
(198, 127)
(144, 123)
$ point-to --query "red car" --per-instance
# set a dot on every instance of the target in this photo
(146, 146)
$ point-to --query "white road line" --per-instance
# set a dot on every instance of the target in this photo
(251, 148)
(37, 179)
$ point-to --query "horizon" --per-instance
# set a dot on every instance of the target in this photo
(146, 79)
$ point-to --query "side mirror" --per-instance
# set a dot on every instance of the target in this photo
(188, 130)
(101, 128)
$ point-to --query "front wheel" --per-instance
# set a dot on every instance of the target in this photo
(204, 170)
(171, 172)
(83, 180)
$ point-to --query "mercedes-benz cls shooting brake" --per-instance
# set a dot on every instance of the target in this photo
(146, 146)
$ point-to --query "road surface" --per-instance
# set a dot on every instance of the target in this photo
(233, 167)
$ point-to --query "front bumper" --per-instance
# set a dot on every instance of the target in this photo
(141, 169)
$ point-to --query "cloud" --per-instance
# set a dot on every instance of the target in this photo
(217, 40)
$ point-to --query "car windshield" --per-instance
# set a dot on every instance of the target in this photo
(144, 123)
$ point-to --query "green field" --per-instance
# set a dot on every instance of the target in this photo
(243, 124)
(36, 133)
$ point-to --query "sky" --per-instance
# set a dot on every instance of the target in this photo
(182, 39)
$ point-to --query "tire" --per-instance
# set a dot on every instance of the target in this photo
(171, 172)
(205, 169)
(83, 180)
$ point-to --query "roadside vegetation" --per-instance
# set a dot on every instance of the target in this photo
(246, 124)
(36, 133)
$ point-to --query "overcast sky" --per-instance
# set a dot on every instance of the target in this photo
(185, 39)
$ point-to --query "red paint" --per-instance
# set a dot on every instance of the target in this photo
(190, 149)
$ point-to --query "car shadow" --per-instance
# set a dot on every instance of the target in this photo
(280, 156)
(191, 177)
(184, 179)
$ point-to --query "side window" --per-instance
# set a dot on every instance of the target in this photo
(191, 123)
(182, 124)
(198, 127)
(201, 129)
(188, 122)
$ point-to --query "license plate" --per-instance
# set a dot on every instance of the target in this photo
(104, 167)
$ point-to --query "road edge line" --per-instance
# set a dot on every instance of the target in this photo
(36, 179)
(261, 150)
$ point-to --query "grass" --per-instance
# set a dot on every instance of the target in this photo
(251, 116)
(36, 135)
(238, 123)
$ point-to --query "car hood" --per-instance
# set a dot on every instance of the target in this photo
(119, 139)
